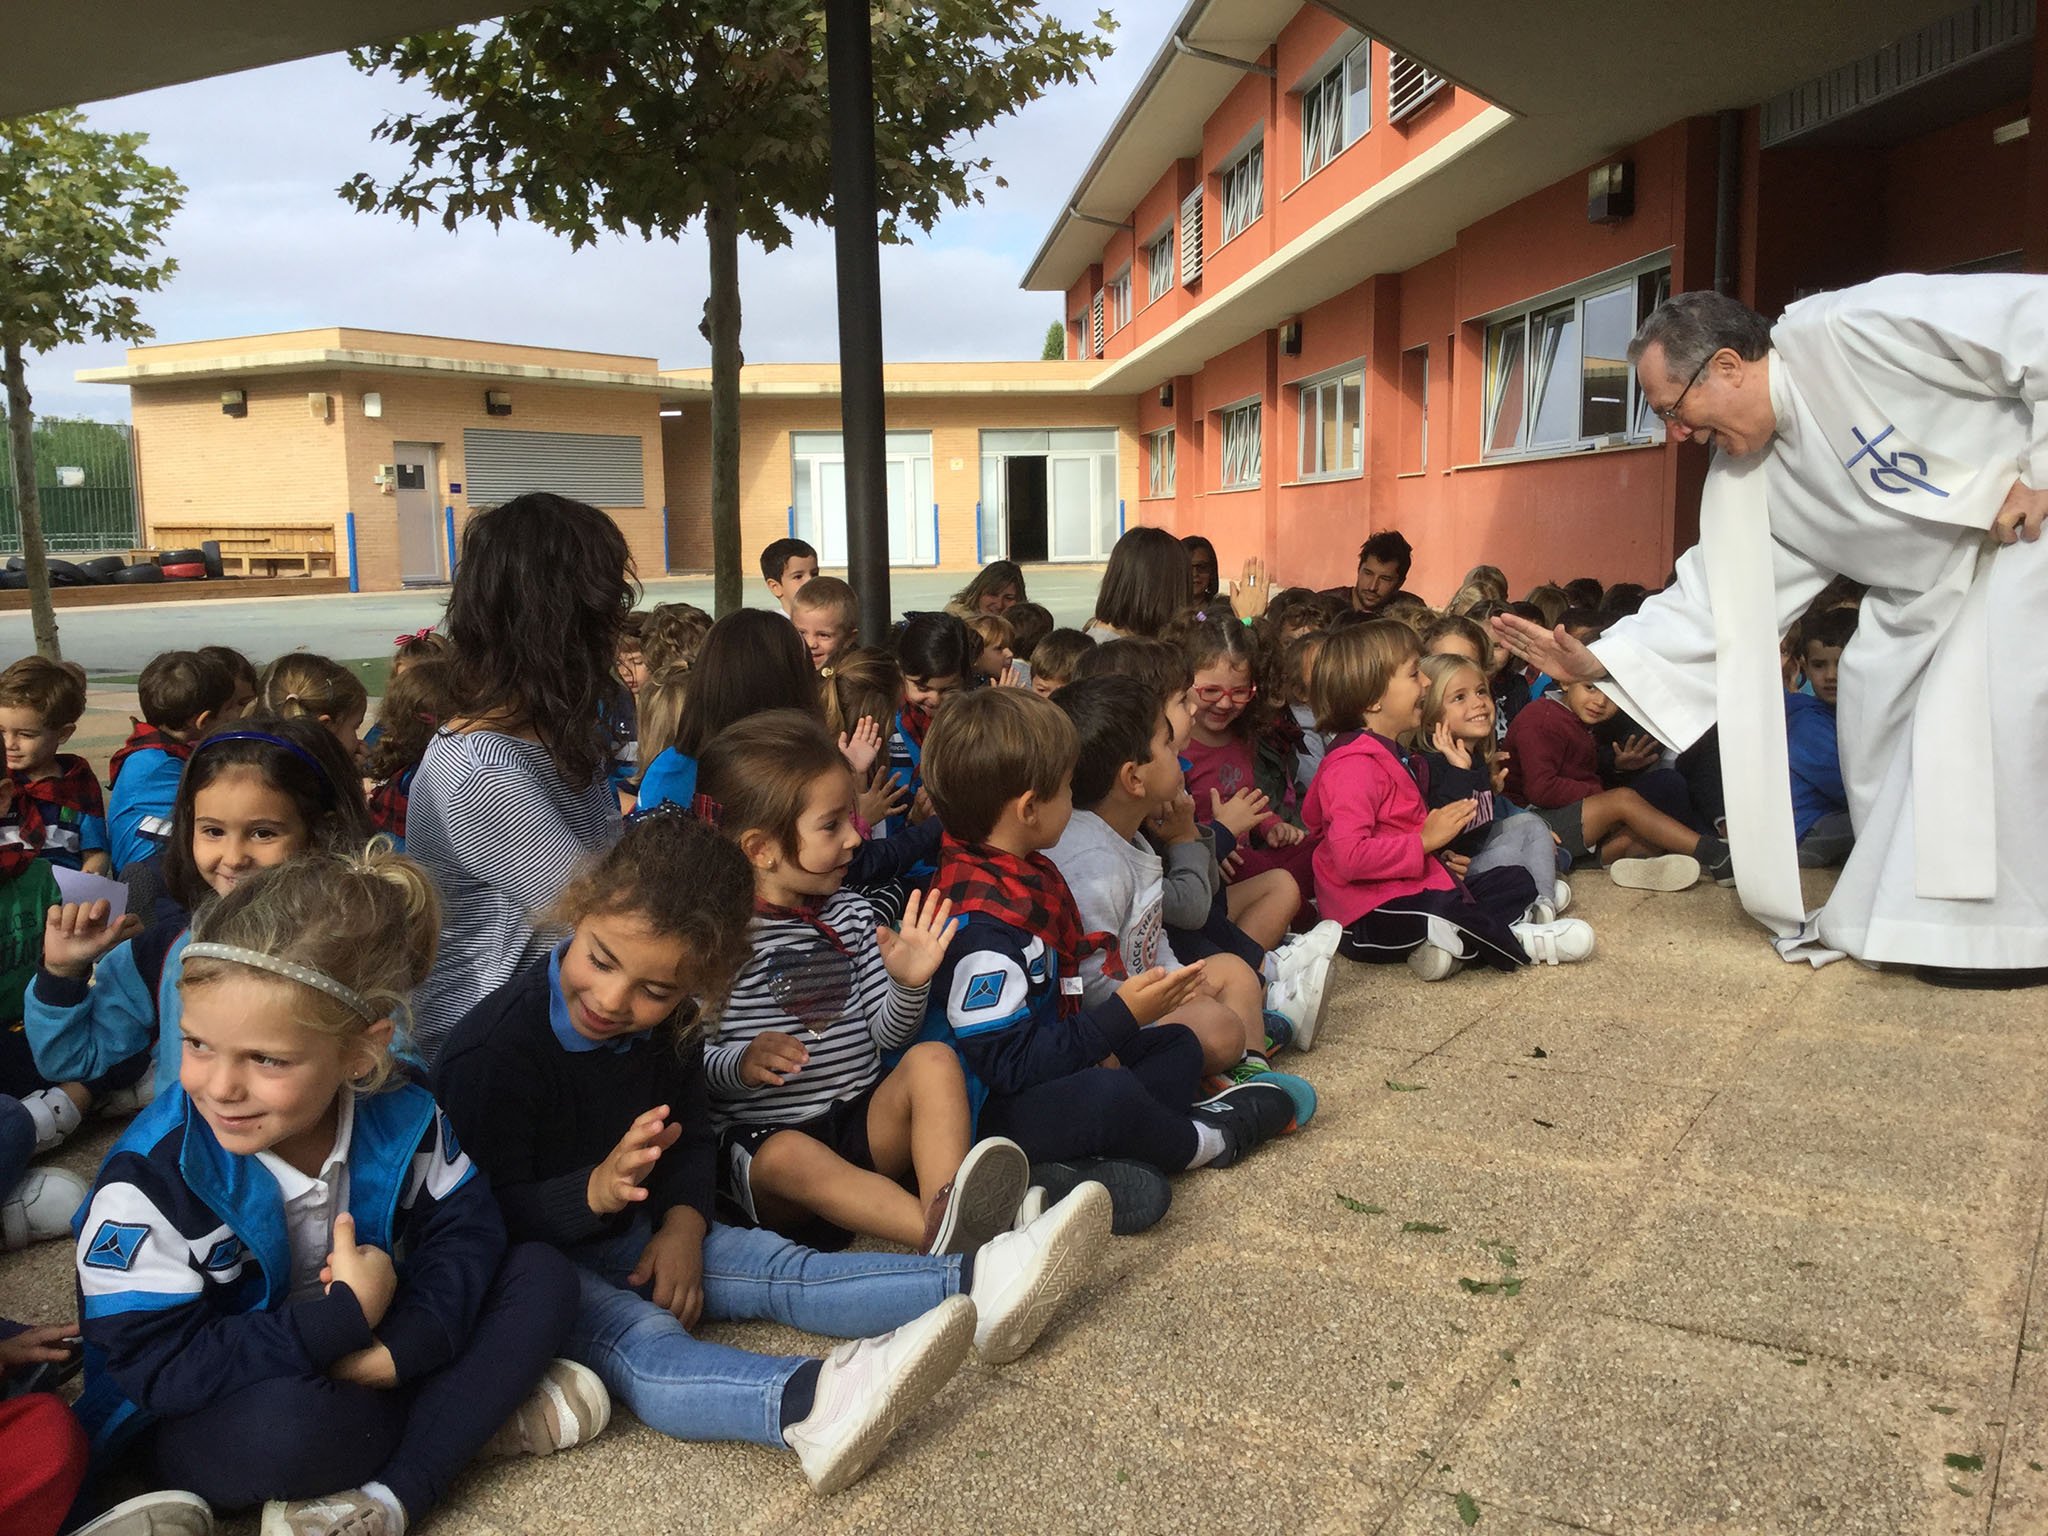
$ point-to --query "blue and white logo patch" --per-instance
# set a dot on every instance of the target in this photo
(115, 1245)
(983, 992)
(224, 1254)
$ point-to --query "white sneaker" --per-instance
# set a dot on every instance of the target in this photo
(1030, 1208)
(166, 1513)
(870, 1386)
(1299, 992)
(133, 1099)
(1432, 962)
(1539, 911)
(1556, 943)
(1560, 897)
(40, 1207)
(1666, 872)
(981, 1199)
(1022, 1278)
(1325, 936)
(568, 1406)
(55, 1117)
(351, 1512)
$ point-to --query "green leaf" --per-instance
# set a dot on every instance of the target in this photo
(1941, 1408)
(1473, 1287)
(1961, 1463)
(1468, 1509)
(1361, 1207)
(1395, 1386)
(2034, 1466)
(1405, 1087)
(1423, 1226)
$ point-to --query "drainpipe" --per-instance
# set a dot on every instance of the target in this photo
(1727, 202)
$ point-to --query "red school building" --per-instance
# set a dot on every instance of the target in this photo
(1379, 269)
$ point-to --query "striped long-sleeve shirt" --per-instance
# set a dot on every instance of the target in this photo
(837, 999)
(494, 824)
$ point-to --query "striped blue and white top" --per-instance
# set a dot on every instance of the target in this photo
(501, 833)
(836, 999)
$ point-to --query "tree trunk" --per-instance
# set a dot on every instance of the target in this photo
(722, 327)
(21, 446)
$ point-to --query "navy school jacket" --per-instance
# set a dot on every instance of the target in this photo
(184, 1262)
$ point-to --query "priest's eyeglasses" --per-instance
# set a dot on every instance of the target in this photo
(1670, 412)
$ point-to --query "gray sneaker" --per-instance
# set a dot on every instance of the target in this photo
(166, 1513)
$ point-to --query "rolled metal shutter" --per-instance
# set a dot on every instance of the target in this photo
(604, 469)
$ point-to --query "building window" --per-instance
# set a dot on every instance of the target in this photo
(1244, 192)
(1159, 266)
(1241, 446)
(1336, 110)
(1414, 450)
(1159, 463)
(1077, 337)
(1333, 426)
(1119, 292)
(1558, 376)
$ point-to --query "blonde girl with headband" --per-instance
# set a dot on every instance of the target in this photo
(253, 794)
(302, 685)
(289, 1270)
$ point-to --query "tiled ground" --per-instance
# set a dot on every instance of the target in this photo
(1755, 1248)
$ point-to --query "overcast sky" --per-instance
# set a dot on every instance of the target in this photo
(264, 244)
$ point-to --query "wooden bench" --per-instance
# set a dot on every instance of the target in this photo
(304, 548)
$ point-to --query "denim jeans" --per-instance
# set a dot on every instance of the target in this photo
(693, 1390)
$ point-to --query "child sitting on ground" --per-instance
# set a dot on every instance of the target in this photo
(1030, 623)
(936, 652)
(247, 684)
(827, 618)
(813, 1133)
(1375, 867)
(300, 685)
(182, 693)
(579, 1088)
(786, 565)
(993, 660)
(1126, 771)
(236, 1265)
(1554, 768)
(1297, 664)
(671, 635)
(36, 1114)
(1820, 804)
(1061, 1079)
(1456, 758)
(414, 706)
(56, 812)
(1056, 658)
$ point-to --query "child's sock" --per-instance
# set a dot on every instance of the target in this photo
(1269, 969)
(1209, 1145)
(394, 1512)
(800, 1392)
(56, 1117)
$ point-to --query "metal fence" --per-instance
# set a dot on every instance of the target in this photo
(85, 477)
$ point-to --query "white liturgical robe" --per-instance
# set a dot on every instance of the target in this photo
(1906, 408)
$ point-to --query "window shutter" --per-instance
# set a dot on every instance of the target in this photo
(1410, 83)
(603, 469)
(1191, 239)
(1095, 316)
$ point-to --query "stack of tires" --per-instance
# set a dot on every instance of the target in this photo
(201, 564)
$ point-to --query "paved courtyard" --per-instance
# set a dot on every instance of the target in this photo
(1679, 1239)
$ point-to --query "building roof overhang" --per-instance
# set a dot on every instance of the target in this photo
(242, 365)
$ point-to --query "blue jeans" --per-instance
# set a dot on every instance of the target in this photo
(693, 1390)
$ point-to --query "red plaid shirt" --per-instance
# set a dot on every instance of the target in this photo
(1029, 894)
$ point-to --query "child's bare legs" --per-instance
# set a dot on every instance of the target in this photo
(1237, 986)
(1212, 1022)
(917, 1121)
(1263, 905)
(1615, 810)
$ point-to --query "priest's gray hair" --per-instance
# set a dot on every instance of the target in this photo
(1692, 327)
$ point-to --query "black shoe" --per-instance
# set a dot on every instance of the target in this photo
(1247, 1114)
(1964, 978)
(1138, 1193)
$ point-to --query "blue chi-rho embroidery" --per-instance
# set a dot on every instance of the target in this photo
(983, 991)
(1888, 471)
(115, 1245)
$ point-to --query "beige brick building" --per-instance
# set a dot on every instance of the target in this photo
(376, 446)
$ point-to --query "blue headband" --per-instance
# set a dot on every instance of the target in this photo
(292, 747)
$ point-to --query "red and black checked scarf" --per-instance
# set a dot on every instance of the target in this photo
(915, 719)
(389, 802)
(1028, 894)
(39, 802)
(146, 738)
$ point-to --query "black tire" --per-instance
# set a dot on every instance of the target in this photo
(102, 567)
(210, 548)
(64, 574)
(13, 581)
(137, 575)
(17, 563)
(181, 557)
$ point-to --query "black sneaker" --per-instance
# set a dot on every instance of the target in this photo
(1138, 1193)
(1246, 1114)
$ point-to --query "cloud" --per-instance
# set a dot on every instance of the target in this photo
(264, 244)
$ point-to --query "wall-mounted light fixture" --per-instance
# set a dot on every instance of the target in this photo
(1611, 192)
(1290, 338)
(1166, 393)
(234, 402)
(373, 404)
(320, 406)
(497, 402)
(671, 411)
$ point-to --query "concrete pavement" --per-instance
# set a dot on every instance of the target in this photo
(1682, 1238)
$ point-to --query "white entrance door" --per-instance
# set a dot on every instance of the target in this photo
(1072, 509)
(828, 496)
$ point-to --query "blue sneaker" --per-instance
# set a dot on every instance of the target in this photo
(1254, 1069)
(1279, 1031)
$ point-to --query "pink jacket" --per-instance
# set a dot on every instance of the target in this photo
(1369, 815)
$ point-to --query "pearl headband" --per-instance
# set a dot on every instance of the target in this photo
(304, 975)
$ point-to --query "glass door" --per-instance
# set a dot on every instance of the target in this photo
(1072, 508)
(828, 501)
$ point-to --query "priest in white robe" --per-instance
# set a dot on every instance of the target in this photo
(1895, 433)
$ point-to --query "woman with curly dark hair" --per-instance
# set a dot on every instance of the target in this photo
(513, 792)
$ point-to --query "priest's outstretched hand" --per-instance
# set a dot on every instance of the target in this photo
(1553, 651)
